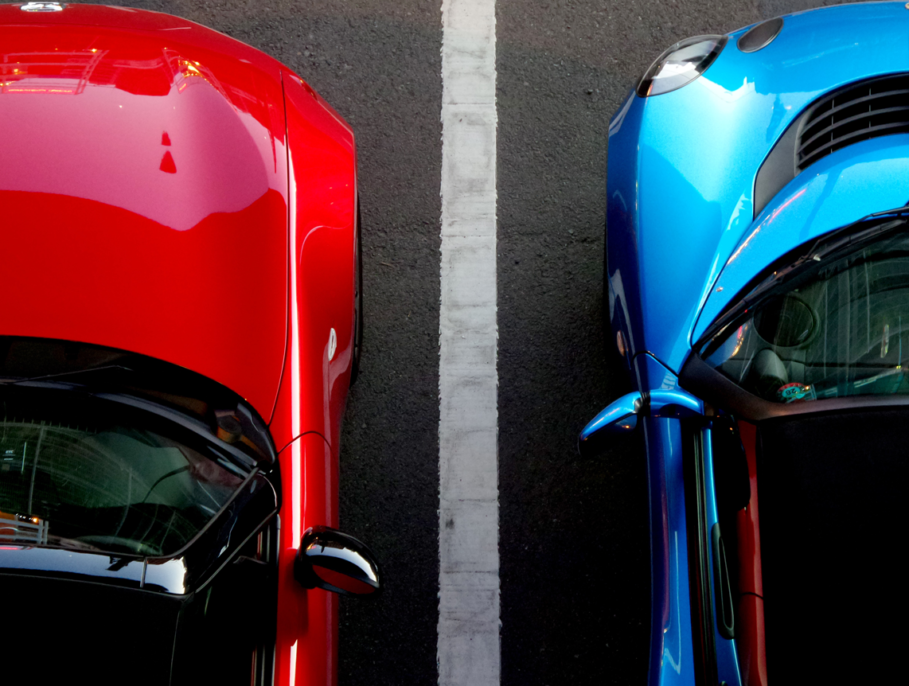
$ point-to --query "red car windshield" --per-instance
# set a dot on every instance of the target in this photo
(80, 472)
(836, 327)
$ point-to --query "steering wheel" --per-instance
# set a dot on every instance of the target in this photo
(788, 321)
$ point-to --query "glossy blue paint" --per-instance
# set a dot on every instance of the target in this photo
(680, 223)
(682, 165)
(852, 183)
(650, 374)
(675, 404)
(619, 417)
(671, 651)
(671, 642)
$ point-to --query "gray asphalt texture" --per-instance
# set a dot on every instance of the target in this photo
(574, 538)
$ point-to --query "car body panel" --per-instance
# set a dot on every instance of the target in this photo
(314, 385)
(750, 640)
(670, 637)
(306, 652)
(150, 176)
(677, 208)
(670, 603)
(681, 224)
(726, 659)
(852, 183)
(143, 22)
(322, 159)
(670, 600)
(209, 222)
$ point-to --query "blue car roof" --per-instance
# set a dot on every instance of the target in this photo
(682, 167)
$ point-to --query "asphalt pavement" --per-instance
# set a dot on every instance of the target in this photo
(574, 544)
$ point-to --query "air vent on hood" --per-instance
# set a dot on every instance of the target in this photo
(857, 112)
(865, 110)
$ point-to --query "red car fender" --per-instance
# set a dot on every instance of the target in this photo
(307, 634)
(323, 182)
(316, 376)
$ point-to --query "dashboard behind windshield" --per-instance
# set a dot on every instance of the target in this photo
(838, 328)
(80, 472)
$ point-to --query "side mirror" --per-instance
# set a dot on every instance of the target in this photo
(622, 415)
(336, 562)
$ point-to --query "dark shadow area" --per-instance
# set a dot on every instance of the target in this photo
(831, 493)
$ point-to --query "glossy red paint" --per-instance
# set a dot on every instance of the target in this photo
(307, 638)
(137, 22)
(322, 177)
(750, 644)
(322, 158)
(174, 251)
(749, 535)
(750, 641)
(163, 203)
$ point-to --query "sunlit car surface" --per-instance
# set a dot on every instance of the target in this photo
(180, 329)
(758, 281)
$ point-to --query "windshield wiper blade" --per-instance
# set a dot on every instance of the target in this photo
(796, 262)
(13, 382)
(899, 210)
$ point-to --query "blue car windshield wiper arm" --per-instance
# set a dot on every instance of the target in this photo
(899, 210)
(795, 263)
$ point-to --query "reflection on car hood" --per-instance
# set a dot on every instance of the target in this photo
(868, 177)
(683, 164)
(143, 186)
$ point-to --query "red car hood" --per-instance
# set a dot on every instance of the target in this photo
(143, 185)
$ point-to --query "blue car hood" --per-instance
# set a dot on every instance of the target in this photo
(850, 184)
(682, 169)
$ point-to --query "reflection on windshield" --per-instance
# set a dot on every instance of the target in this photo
(839, 329)
(104, 487)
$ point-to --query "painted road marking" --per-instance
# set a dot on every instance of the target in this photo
(468, 643)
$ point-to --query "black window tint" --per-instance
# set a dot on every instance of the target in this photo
(101, 480)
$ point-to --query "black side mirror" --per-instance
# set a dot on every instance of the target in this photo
(336, 562)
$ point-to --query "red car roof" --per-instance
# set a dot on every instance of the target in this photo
(143, 185)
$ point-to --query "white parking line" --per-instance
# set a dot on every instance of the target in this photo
(468, 647)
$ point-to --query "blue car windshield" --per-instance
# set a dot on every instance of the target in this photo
(78, 472)
(837, 326)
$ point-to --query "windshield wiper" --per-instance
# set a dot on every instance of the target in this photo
(899, 211)
(800, 261)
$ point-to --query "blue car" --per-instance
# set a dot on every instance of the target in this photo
(758, 275)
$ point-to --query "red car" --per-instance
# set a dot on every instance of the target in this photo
(180, 327)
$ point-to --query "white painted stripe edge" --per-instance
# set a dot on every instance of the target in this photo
(469, 617)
